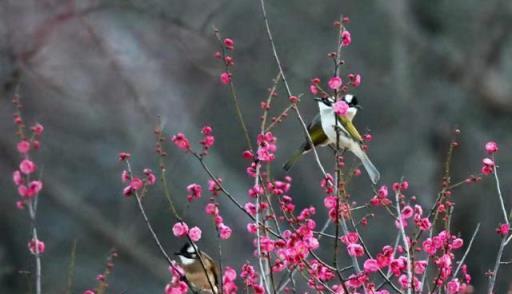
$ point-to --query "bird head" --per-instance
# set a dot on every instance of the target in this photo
(187, 251)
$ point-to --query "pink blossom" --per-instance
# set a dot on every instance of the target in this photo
(136, 183)
(34, 188)
(247, 154)
(335, 83)
(355, 249)
(125, 176)
(420, 266)
(503, 230)
(407, 212)
(228, 280)
(194, 234)
(23, 146)
(313, 89)
(27, 166)
(16, 178)
(340, 108)
(37, 129)
(36, 246)
(20, 204)
(89, 292)
(383, 192)
(124, 156)
(178, 287)
(181, 141)
(371, 266)
(252, 228)
(211, 209)
(180, 229)
(207, 141)
(429, 246)
(491, 147)
(194, 192)
(127, 191)
(488, 162)
(346, 38)
(293, 99)
(266, 147)
(355, 80)
(150, 176)
(457, 243)
(225, 78)
(213, 186)
(350, 238)
(229, 43)
(424, 224)
(224, 231)
(453, 286)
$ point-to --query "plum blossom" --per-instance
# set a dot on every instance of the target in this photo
(194, 234)
(335, 83)
(224, 231)
(225, 78)
(27, 166)
(194, 192)
(340, 108)
(491, 147)
(36, 246)
(181, 141)
(229, 43)
(346, 38)
(23, 146)
(355, 79)
(180, 229)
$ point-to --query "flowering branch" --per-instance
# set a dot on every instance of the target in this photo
(29, 189)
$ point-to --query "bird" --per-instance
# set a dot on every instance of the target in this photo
(322, 130)
(190, 258)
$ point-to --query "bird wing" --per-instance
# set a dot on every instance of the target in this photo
(350, 128)
(316, 132)
(215, 270)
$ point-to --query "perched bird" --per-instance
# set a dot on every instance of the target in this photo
(322, 131)
(195, 272)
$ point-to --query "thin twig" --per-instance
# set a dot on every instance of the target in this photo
(288, 91)
(71, 267)
(406, 243)
(500, 196)
(505, 238)
(467, 250)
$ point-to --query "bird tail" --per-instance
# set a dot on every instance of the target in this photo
(372, 171)
(293, 159)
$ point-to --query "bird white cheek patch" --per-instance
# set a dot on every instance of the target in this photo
(186, 261)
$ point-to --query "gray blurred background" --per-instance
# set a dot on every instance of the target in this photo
(98, 73)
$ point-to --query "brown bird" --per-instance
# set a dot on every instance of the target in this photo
(190, 261)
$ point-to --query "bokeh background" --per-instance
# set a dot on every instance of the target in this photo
(97, 74)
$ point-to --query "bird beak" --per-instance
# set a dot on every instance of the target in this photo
(317, 99)
(359, 107)
(177, 253)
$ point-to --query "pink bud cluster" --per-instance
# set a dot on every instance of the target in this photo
(183, 143)
(27, 188)
(488, 164)
(135, 183)
(250, 278)
(227, 45)
(213, 210)
(36, 246)
(228, 280)
(266, 147)
(176, 285)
